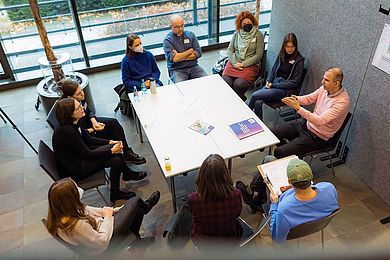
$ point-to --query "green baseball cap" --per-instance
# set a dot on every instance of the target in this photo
(298, 170)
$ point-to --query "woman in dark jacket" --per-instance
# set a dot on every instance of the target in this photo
(102, 127)
(284, 78)
(79, 155)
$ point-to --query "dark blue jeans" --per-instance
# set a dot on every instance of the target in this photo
(265, 94)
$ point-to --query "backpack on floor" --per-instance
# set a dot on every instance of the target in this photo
(178, 228)
(124, 104)
(220, 64)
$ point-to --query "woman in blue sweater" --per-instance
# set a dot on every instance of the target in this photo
(138, 64)
(284, 78)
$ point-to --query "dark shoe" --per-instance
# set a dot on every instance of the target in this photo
(134, 176)
(131, 157)
(152, 201)
(248, 198)
(121, 195)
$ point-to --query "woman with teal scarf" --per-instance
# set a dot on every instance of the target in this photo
(244, 52)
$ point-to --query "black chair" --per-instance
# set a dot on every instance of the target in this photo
(332, 143)
(279, 104)
(48, 164)
(77, 251)
(51, 118)
(311, 227)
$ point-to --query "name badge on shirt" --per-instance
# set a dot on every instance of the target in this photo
(186, 40)
(291, 61)
(253, 40)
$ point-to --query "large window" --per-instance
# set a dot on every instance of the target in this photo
(98, 36)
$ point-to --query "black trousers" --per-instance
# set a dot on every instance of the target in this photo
(301, 140)
(114, 162)
(113, 130)
(127, 220)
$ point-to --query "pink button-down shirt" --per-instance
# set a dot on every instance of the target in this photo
(329, 111)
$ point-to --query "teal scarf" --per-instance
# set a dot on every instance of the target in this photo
(242, 41)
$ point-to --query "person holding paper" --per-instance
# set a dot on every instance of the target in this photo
(331, 105)
(93, 230)
(304, 203)
(182, 51)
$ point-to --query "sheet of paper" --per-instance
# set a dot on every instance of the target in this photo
(276, 173)
(381, 58)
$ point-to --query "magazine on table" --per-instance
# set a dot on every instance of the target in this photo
(201, 127)
(246, 128)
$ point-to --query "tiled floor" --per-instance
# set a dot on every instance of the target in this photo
(23, 188)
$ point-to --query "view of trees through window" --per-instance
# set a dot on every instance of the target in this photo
(104, 26)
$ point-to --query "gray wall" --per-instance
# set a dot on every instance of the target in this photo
(345, 33)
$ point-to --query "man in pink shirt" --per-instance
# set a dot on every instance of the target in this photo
(331, 107)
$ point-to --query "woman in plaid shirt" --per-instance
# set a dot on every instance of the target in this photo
(216, 206)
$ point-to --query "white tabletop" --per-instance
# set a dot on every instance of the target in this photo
(167, 115)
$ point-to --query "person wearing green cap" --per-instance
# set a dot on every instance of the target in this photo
(304, 203)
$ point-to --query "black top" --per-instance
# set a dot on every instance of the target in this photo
(285, 67)
(70, 145)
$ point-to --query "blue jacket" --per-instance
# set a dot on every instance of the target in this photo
(291, 84)
(138, 67)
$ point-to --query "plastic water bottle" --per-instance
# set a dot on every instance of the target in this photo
(153, 89)
(143, 88)
(136, 95)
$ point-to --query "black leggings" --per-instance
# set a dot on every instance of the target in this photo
(239, 85)
(114, 162)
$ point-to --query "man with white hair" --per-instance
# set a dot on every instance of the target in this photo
(182, 51)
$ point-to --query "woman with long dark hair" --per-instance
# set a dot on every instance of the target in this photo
(284, 78)
(93, 230)
(138, 64)
(102, 127)
(216, 206)
(79, 155)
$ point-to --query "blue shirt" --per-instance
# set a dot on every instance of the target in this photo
(181, 43)
(290, 212)
(138, 67)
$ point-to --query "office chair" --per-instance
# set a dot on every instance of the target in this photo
(47, 162)
(51, 117)
(311, 227)
(279, 104)
(77, 252)
(252, 233)
(332, 142)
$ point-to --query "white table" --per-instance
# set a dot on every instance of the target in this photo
(166, 116)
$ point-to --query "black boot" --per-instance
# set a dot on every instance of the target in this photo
(131, 157)
(152, 201)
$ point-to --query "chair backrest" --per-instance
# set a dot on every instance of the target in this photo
(311, 227)
(47, 161)
(333, 141)
(51, 117)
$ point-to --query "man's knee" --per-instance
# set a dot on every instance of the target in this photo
(179, 76)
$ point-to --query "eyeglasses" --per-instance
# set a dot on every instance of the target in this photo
(80, 107)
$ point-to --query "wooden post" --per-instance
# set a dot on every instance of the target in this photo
(257, 13)
(58, 73)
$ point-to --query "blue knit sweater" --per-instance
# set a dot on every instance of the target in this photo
(138, 67)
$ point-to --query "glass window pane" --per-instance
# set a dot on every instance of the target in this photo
(21, 40)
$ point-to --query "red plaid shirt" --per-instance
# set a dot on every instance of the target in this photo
(217, 219)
